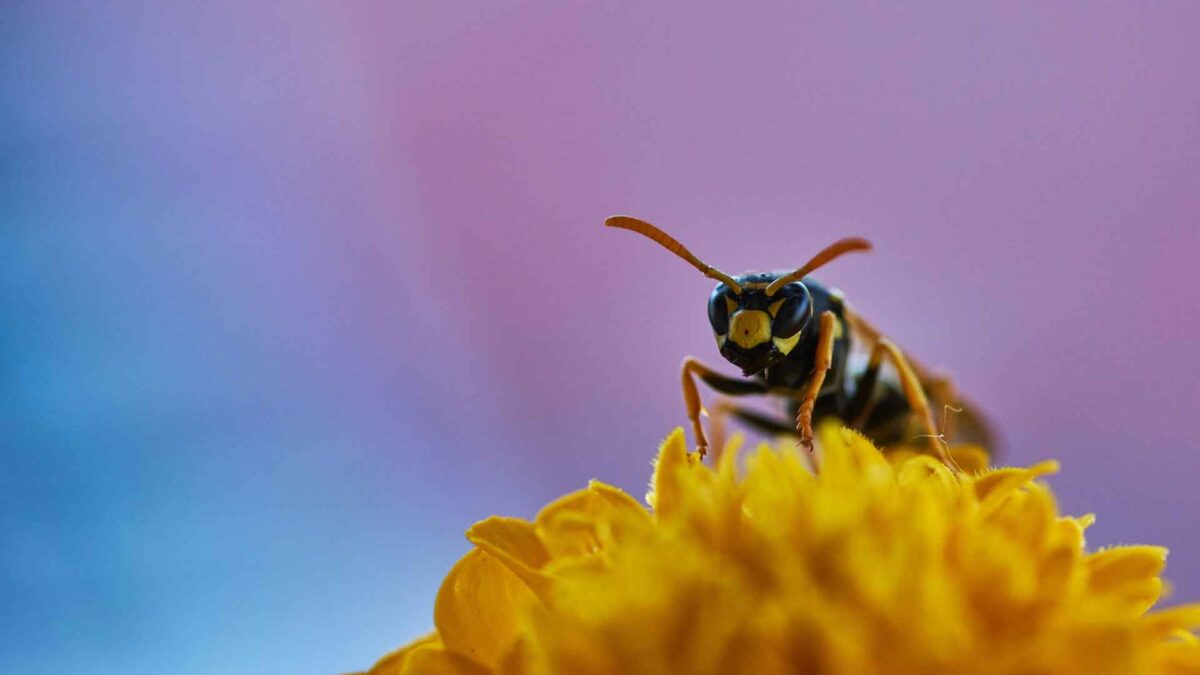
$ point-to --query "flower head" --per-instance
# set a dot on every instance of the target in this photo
(873, 565)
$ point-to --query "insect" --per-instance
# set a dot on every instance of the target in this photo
(793, 338)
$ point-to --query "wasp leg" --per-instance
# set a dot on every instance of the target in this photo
(966, 422)
(757, 420)
(945, 398)
(718, 413)
(723, 408)
(871, 336)
(719, 382)
(824, 358)
(913, 392)
(863, 403)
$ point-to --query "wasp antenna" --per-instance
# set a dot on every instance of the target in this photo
(668, 242)
(834, 250)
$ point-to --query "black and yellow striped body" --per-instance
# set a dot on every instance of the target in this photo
(852, 392)
(792, 338)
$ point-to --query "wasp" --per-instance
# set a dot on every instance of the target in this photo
(795, 338)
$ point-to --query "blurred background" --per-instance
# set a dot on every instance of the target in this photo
(293, 293)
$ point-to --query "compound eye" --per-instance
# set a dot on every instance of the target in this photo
(718, 309)
(791, 310)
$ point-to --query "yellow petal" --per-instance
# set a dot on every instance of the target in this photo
(996, 484)
(477, 608)
(1116, 565)
(878, 564)
(1113, 567)
(514, 543)
(436, 660)
(1096, 650)
(577, 524)
(617, 499)
(1128, 575)
(393, 663)
(666, 489)
(1168, 621)
(520, 660)
(970, 458)
(848, 457)
(565, 525)
(727, 464)
(510, 537)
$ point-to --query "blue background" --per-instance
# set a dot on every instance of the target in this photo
(294, 293)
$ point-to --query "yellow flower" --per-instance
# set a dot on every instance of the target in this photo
(875, 565)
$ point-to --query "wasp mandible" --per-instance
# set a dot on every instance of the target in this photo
(793, 338)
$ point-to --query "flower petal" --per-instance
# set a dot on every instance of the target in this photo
(878, 563)
(436, 660)
(565, 525)
(580, 524)
(616, 498)
(1168, 621)
(515, 543)
(996, 484)
(972, 459)
(847, 457)
(666, 492)
(393, 663)
(1128, 575)
(510, 537)
(478, 608)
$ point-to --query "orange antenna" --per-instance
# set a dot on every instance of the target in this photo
(830, 252)
(666, 241)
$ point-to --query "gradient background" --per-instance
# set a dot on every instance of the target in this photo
(292, 294)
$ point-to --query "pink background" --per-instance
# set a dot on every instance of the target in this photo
(295, 293)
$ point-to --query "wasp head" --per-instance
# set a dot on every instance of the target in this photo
(758, 318)
(754, 329)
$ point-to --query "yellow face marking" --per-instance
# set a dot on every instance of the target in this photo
(720, 340)
(785, 345)
(774, 308)
(730, 305)
(749, 328)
